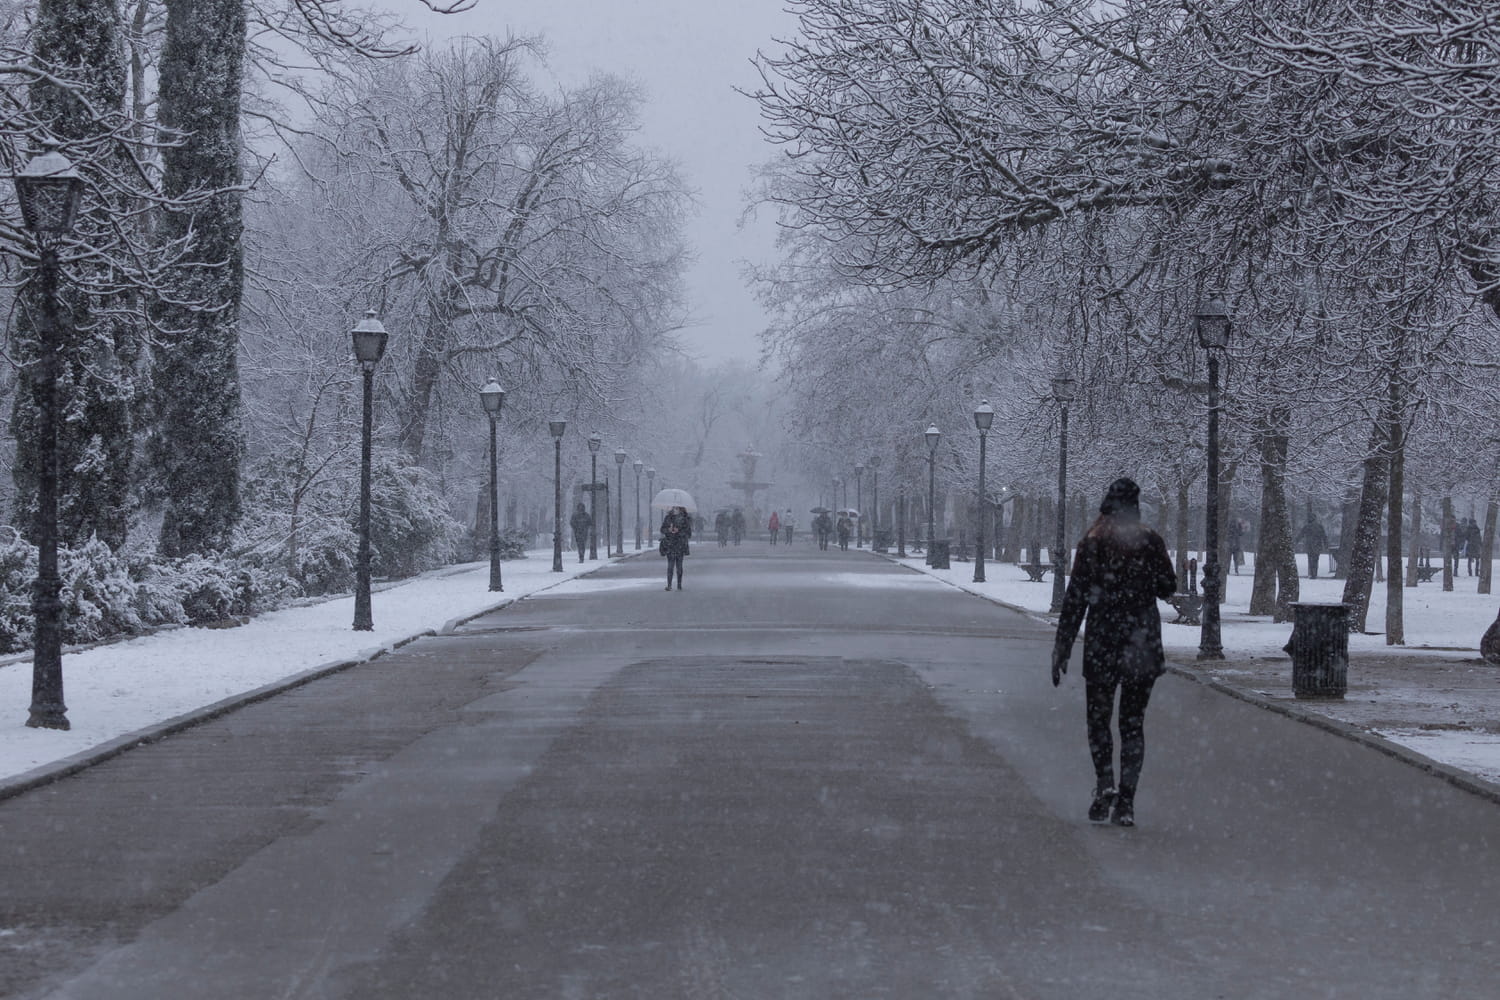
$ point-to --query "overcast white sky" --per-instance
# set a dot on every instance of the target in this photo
(688, 55)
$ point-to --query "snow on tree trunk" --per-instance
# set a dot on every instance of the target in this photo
(199, 441)
(79, 40)
(1363, 553)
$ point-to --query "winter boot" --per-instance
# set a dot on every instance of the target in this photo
(1104, 797)
(1124, 810)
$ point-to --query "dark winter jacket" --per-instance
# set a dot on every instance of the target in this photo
(581, 524)
(1121, 569)
(676, 529)
(1313, 537)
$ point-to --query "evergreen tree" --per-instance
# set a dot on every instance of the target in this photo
(98, 346)
(199, 440)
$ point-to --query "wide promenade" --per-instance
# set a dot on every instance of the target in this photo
(807, 775)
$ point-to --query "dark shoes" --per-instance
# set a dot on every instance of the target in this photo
(1099, 808)
(1124, 811)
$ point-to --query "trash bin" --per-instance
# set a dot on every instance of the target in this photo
(1319, 648)
(937, 553)
(882, 539)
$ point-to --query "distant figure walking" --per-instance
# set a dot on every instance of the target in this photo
(1315, 542)
(787, 524)
(737, 525)
(1120, 571)
(823, 526)
(582, 526)
(1236, 542)
(721, 527)
(845, 529)
(1473, 545)
(676, 530)
(773, 526)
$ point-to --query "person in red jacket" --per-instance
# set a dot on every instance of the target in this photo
(1119, 573)
(774, 527)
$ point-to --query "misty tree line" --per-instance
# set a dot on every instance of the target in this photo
(258, 174)
(979, 194)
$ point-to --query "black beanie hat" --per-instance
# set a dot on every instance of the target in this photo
(1122, 493)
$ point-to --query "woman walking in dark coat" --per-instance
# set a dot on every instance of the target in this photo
(676, 529)
(1121, 569)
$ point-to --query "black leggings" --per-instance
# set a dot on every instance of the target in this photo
(674, 562)
(1101, 706)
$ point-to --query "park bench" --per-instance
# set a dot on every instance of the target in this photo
(1036, 571)
(1189, 608)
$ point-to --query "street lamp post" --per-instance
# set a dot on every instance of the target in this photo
(594, 442)
(933, 436)
(620, 457)
(859, 505)
(557, 427)
(984, 415)
(370, 338)
(651, 491)
(874, 464)
(637, 465)
(493, 398)
(50, 191)
(1062, 391)
(1213, 325)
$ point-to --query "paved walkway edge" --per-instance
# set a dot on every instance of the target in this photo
(1452, 775)
(46, 774)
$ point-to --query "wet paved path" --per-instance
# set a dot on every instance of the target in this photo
(806, 775)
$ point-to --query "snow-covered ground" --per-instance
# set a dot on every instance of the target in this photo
(123, 688)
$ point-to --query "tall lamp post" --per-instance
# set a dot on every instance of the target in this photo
(50, 191)
(651, 490)
(984, 415)
(620, 457)
(557, 427)
(859, 505)
(493, 398)
(1062, 392)
(874, 464)
(594, 442)
(637, 465)
(369, 338)
(1212, 322)
(933, 436)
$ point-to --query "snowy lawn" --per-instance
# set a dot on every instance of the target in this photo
(124, 687)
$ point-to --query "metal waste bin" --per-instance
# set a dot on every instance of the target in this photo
(937, 553)
(1319, 648)
(883, 539)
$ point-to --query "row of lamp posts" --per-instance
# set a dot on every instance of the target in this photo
(1212, 325)
(50, 190)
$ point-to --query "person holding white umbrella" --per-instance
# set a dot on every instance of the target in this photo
(676, 530)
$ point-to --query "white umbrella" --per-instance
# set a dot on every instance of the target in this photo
(669, 498)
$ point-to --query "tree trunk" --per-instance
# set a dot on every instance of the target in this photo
(1226, 497)
(1348, 519)
(1446, 543)
(1276, 584)
(1487, 549)
(1395, 628)
(1366, 530)
(1414, 547)
(1183, 541)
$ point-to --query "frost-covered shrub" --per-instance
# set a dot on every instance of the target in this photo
(99, 595)
(213, 588)
(17, 570)
(300, 525)
(411, 529)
